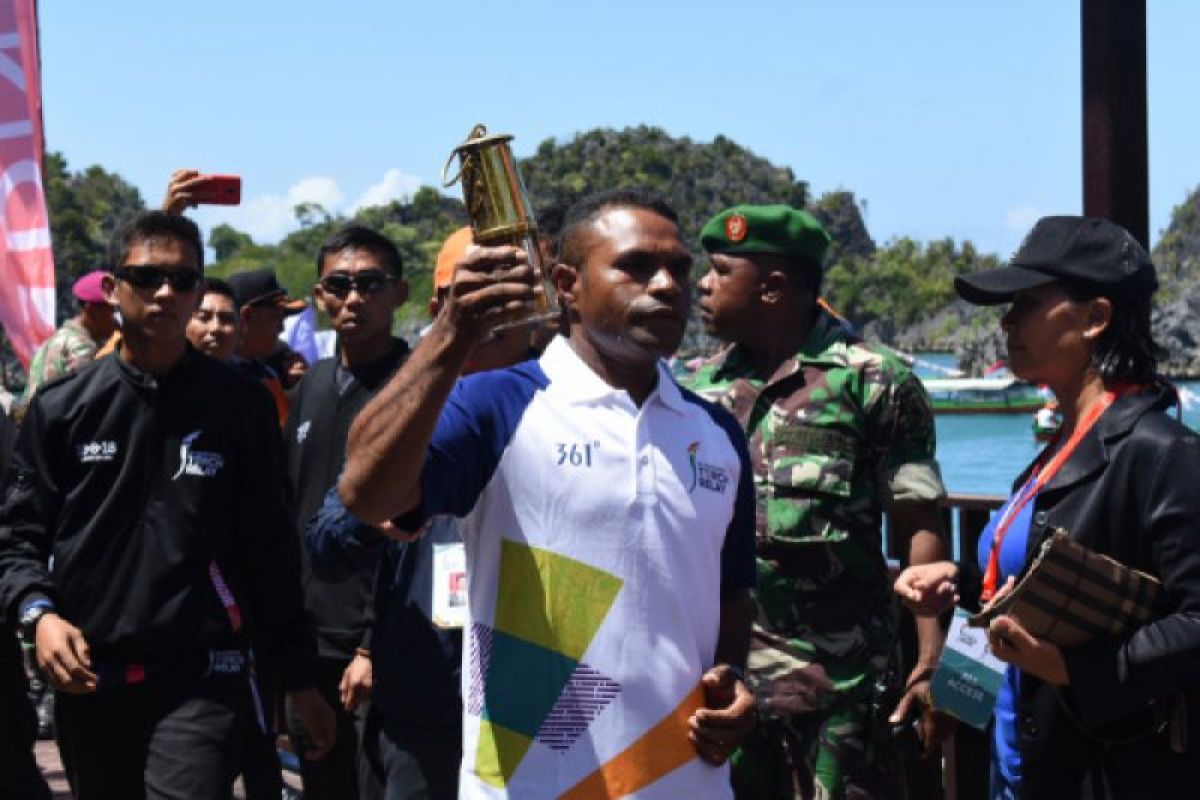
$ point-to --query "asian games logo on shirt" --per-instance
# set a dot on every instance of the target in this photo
(97, 452)
(197, 462)
(706, 476)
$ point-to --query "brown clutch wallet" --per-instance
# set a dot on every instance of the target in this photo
(1071, 595)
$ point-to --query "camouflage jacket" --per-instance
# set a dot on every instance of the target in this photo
(836, 434)
(67, 349)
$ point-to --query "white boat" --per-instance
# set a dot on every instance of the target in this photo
(999, 395)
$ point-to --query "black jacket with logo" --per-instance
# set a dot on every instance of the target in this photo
(1130, 491)
(337, 589)
(132, 488)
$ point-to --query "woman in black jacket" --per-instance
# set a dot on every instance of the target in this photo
(1108, 719)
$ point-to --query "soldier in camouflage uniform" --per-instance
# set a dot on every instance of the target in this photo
(74, 343)
(838, 431)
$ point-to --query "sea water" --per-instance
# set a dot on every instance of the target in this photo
(983, 453)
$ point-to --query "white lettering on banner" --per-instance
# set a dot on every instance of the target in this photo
(38, 298)
(34, 239)
(42, 299)
(10, 70)
(15, 130)
(25, 171)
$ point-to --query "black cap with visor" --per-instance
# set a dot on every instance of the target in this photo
(1082, 250)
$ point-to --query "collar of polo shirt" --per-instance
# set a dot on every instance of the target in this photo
(575, 382)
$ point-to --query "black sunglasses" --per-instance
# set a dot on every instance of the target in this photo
(152, 276)
(340, 284)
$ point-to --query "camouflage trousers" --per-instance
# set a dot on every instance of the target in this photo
(840, 753)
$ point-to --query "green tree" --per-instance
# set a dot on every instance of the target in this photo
(698, 179)
(226, 241)
(902, 282)
(839, 213)
(84, 208)
(309, 214)
(1177, 254)
(417, 226)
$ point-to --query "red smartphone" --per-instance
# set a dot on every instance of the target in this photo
(218, 190)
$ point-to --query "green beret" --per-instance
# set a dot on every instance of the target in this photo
(778, 229)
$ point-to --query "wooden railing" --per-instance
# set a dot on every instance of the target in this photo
(965, 765)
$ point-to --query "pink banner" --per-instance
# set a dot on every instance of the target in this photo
(26, 263)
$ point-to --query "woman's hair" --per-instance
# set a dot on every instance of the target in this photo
(1126, 352)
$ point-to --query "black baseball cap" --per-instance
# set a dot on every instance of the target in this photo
(1085, 250)
(260, 287)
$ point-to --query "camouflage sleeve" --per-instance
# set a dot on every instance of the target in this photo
(63, 355)
(79, 353)
(76, 354)
(907, 441)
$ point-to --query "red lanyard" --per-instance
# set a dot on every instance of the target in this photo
(1040, 477)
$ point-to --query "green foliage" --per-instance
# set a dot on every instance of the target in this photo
(227, 242)
(838, 211)
(1177, 254)
(698, 179)
(417, 227)
(84, 207)
(903, 282)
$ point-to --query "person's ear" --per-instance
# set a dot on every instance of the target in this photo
(773, 287)
(565, 279)
(399, 293)
(108, 285)
(1099, 317)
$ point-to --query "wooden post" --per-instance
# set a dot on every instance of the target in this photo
(1115, 160)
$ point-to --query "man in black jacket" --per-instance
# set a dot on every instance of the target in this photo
(19, 774)
(145, 544)
(360, 287)
(415, 724)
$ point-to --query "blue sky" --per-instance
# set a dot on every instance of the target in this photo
(949, 118)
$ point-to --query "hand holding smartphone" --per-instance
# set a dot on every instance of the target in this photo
(217, 190)
(188, 187)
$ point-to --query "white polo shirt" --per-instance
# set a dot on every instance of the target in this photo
(599, 536)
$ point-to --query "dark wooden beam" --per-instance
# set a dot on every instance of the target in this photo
(1116, 172)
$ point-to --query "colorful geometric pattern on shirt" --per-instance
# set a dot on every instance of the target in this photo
(661, 750)
(496, 460)
(548, 609)
(480, 651)
(586, 694)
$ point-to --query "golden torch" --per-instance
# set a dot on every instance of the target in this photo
(499, 208)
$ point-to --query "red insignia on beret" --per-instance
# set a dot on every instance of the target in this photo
(736, 228)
